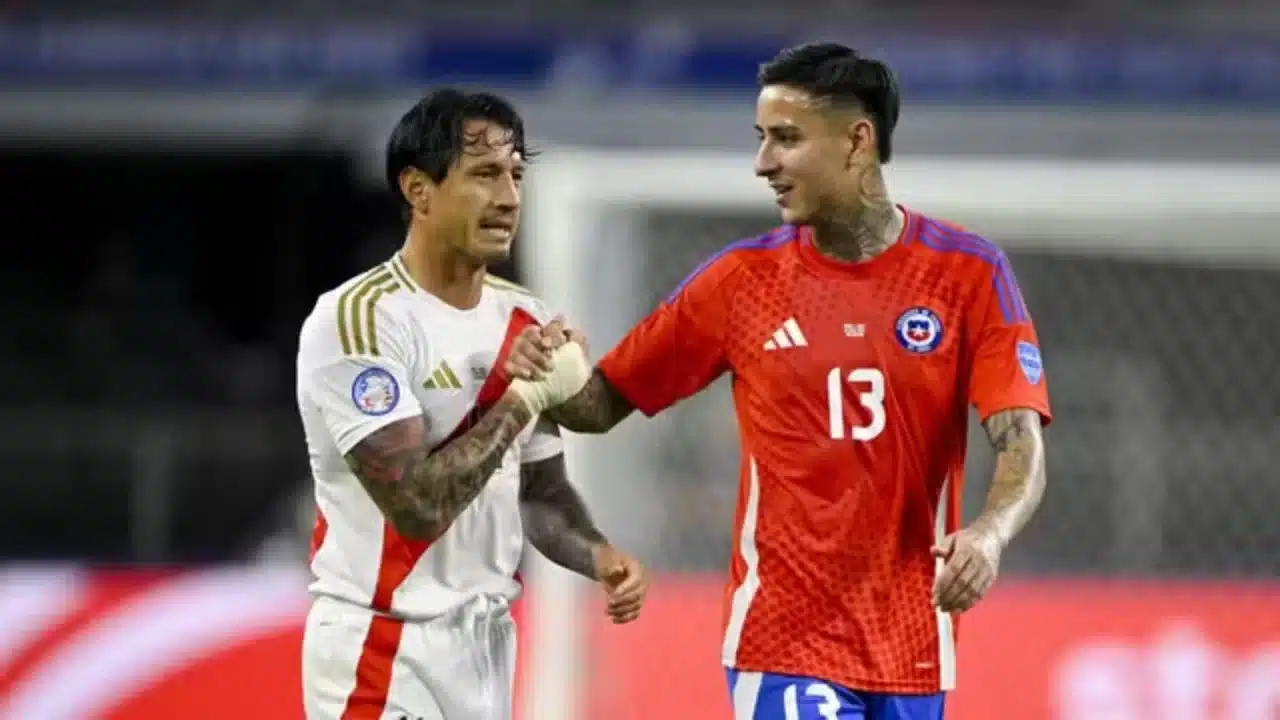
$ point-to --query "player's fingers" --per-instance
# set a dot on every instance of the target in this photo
(949, 586)
(632, 581)
(968, 586)
(625, 616)
(614, 575)
(964, 602)
(631, 597)
(553, 334)
(527, 364)
(975, 590)
(982, 582)
(944, 548)
(945, 578)
(575, 335)
(528, 351)
(516, 367)
(623, 608)
(521, 365)
(971, 584)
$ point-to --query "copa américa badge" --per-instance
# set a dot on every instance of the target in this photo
(1029, 360)
(375, 391)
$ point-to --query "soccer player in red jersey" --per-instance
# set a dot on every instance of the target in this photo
(857, 335)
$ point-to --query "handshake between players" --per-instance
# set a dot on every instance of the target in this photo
(548, 365)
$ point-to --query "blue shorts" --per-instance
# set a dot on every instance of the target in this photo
(766, 696)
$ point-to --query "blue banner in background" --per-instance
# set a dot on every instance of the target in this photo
(932, 68)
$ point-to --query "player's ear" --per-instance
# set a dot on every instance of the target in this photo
(862, 140)
(416, 188)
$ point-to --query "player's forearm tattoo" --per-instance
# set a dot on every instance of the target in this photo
(421, 491)
(1019, 480)
(597, 407)
(556, 520)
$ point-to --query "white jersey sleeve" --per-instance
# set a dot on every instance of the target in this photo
(356, 374)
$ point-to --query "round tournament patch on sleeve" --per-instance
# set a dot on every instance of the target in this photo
(1029, 360)
(375, 391)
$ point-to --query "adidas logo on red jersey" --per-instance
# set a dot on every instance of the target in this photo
(787, 336)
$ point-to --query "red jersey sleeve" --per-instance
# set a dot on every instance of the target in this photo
(1006, 369)
(679, 348)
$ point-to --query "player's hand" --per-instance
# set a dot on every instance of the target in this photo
(971, 560)
(530, 356)
(567, 374)
(557, 333)
(625, 583)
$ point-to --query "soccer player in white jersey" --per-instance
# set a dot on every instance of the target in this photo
(430, 468)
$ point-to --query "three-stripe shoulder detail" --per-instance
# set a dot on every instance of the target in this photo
(946, 239)
(357, 305)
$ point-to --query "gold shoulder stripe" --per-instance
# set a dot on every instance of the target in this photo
(400, 273)
(356, 327)
(343, 299)
(371, 326)
(494, 281)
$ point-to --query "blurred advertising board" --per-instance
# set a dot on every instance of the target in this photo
(938, 67)
(151, 645)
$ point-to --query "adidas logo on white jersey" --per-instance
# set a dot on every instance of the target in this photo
(443, 379)
(787, 336)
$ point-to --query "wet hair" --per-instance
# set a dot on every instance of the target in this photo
(432, 136)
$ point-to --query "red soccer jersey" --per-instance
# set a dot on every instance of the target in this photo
(851, 384)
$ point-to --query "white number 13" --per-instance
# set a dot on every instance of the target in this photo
(869, 385)
(828, 707)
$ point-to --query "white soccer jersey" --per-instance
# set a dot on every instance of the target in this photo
(379, 349)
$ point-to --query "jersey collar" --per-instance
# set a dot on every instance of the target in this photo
(890, 257)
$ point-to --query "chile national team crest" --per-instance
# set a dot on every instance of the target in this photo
(919, 330)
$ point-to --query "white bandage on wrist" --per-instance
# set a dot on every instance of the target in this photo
(569, 373)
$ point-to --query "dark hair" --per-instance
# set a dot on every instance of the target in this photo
(839, 75)
(431, 136)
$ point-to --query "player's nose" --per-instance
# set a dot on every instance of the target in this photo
(507, 196)
(766, 166)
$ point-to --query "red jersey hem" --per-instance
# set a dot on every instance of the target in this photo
(851, 682)
(1039, 406)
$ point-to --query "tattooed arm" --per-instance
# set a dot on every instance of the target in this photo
(597, 408)
(1019, 481)
(556, 520)
(421, 491)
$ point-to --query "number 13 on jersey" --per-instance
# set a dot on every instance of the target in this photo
(866, 385)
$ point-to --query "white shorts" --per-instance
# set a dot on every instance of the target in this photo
(358, 665)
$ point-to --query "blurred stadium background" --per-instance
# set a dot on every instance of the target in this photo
(181, 180)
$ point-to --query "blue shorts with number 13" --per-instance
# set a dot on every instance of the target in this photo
(766, 696)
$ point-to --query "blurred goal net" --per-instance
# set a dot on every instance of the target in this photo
(1153, 286)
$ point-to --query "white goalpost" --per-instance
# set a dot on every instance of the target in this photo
(585, 246)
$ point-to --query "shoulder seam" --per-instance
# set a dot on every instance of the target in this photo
(357, 326)
(942, 232)
(771, 240)
(1004, 283)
